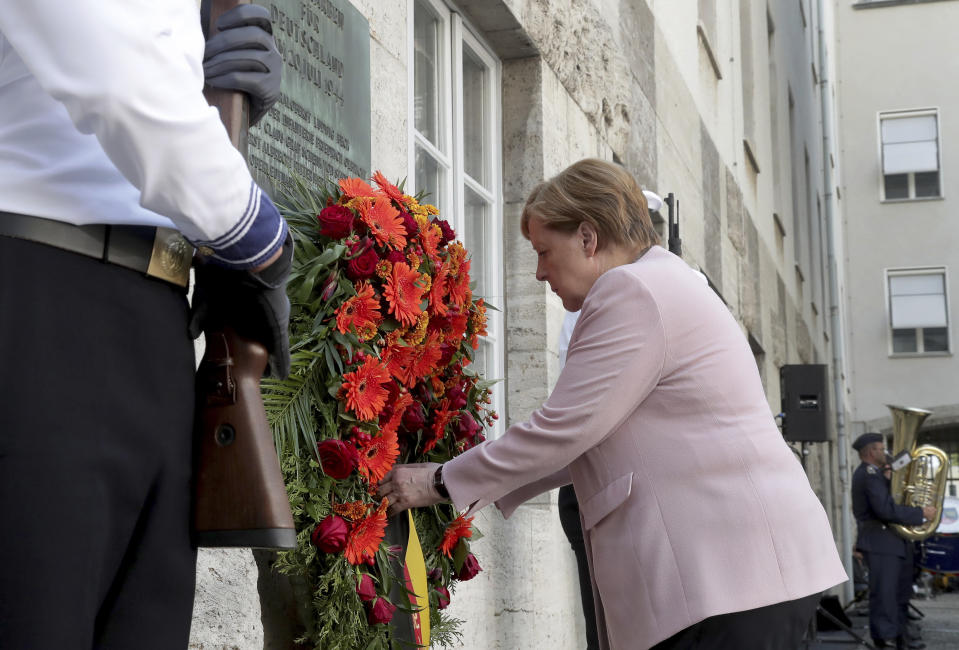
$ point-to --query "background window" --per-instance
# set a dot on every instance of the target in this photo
(910, 155)
(918, 311)
(455, 147)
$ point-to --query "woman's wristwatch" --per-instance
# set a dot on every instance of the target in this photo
(439, 485)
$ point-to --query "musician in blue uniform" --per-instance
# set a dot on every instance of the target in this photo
(885, 550)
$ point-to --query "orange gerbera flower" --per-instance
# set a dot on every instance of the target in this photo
(430, 238)
(364, 390)
(404, 294)
(385, 224)
(457, 529)
(356, 187)
(378, 455)
(365, 537)
(411, 363)
(361, 313)
(438, 305)
(388, 188)
(458, 285)
(441, 417)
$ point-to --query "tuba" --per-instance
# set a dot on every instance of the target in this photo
(923, 482)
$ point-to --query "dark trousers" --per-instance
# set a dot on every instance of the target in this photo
(572, 526)
(774, 627)
(96, 388)
(885, 612)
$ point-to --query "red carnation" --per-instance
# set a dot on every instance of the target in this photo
(330, 534)
(366, 589)
(409, 223)
(469, 569)
(448, 234)
(336, 221)
(338, 459)
(395, 256)
(363, 260)
(381, 611)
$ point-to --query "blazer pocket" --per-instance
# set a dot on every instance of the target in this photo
(596, 507)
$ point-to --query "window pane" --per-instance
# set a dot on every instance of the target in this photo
(431, 178)
(935, 339)
(897, 186)
(927, 184)
(475, 117)
(427, 70)
(904, 340)
(477, 240)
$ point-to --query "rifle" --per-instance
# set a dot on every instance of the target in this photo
(240, 499)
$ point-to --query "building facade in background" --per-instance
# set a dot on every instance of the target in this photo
(719, 102)
(899, 134)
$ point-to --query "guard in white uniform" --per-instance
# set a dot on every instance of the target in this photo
(107, 151)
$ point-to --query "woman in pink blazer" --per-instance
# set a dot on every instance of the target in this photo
(701, 528)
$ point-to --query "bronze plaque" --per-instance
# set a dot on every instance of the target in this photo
(320, 127)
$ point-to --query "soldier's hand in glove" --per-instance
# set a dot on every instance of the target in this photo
(254, 303)
(242, 56)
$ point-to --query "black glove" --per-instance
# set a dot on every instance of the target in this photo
(242, 55)
(253, 304)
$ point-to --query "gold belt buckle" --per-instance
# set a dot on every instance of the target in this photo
(171, 257)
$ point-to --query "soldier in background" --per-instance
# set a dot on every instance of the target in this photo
(110, 162)
(885, 551)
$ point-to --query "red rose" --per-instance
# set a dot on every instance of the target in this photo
(456, 397)
(444, 597)
(381, 611)
(366, 589)
(469, 569)
(435, 575)
(363, 260)
(329, 286)
(446, 354)
(413, 417)
(466, 427)
(330, 534)
(448, 234)
(336, 221)
(337, 458)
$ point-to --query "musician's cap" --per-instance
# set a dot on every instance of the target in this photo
(865, 439)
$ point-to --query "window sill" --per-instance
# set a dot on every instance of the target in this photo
(915, 200)
(918, 355)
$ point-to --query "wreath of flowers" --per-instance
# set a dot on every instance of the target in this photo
(384, 326)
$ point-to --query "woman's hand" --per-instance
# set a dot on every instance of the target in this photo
(409, 486)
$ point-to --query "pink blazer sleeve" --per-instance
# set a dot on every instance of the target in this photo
(615, 359)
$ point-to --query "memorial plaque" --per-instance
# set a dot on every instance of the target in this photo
(320, 127)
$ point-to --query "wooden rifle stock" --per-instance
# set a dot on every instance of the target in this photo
(240, 498)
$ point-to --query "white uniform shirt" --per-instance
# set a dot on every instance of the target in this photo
(102, 120)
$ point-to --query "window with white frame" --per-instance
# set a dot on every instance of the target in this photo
(455, 137)
(910, 154)
(918, 311)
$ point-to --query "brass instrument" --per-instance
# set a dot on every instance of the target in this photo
(923, 482)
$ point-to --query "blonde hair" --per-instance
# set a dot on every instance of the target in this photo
(597, 192)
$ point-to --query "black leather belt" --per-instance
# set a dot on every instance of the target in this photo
(160, 253)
